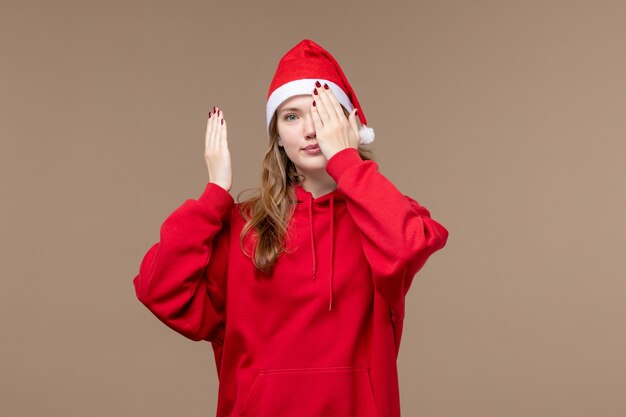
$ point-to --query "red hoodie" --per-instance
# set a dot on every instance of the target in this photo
(320, 336)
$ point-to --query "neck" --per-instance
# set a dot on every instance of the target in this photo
(318, 183)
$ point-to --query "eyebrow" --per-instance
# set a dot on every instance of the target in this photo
(289, 109)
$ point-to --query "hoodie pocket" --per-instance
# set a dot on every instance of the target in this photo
(311, 392)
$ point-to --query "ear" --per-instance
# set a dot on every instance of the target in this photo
(280, 141)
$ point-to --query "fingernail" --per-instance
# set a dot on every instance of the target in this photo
(218, 112)
(313, 102)
(222, 121)
(213, 109)
(326, 86)
(356, 113)
(315, 91)
(317, 84)
(209, 115)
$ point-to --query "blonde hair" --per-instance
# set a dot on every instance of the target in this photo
(268, 212)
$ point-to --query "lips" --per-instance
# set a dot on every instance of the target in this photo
(311, 147)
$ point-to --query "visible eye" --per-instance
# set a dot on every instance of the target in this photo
(287, 116)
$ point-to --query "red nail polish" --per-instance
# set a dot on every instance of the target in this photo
(356, 113)
(315, 91)
(214, 110)
(326, 86)
(317, 84)
(314, 103)
(222, 121)
(209, 115)
(218, 112)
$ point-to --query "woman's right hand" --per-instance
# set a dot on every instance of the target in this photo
(216, 151)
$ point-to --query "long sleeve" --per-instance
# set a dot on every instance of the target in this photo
(397, 233)
(182, 278)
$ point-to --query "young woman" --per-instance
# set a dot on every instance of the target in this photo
(301, 288)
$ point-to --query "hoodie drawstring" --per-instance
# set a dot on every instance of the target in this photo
(312, 238)
(313, 254)
(332, 232)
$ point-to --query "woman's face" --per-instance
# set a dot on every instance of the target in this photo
(297, 131)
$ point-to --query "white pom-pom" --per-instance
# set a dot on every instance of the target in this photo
(366, 134)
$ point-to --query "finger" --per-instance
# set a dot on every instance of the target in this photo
(353, 123)
(324, 116)
(328, 104)
(214, 119)
(209, 128)
(206, 134)
(317, 120)
(332, 99)
(218, 129)
(223, 141)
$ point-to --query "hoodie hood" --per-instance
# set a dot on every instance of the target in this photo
(321, 206)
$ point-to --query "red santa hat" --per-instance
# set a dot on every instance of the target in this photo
(297, 72)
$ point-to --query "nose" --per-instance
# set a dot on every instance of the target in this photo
(309, 127)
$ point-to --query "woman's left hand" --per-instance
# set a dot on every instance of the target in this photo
(333, 130)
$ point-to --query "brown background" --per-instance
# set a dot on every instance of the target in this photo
(505, 119)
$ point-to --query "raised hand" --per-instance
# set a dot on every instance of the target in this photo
(216, 151)
(333, 131)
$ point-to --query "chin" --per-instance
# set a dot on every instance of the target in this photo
(318, 165)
